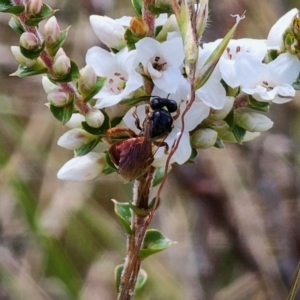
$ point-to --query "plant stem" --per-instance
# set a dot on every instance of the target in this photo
(139, 226)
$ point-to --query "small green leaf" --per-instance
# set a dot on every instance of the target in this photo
(140, 282)
(7, 7)
(134, 101)
(52, 49)
(118, 274)
(32, 54)
(62, 114)
(72, 75)
(24, 71)
(98, 86)
(88, 147)
(124, 215)
(238, 132)
(162, 9)
(110, 165)
(137, 6)
(219, 144)
(296, 85)
(154, 242)
(115, 121)
(130, 39)
(258, 105)
(230, 119)
(46, 13)
(17, 27)
(158, 176)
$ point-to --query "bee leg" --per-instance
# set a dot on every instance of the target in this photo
(137, 120)
(177, 114)
(162, 144)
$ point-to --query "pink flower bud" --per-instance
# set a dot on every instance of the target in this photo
(61, 65)
(51, 31)
(29, 41)
(58, 97)
(83, 168)
(94, 118)
(34, 7)
(87, 80)
(74, 139)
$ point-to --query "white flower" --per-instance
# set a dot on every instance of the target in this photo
(75, 121)
(212, 93)
(109, 31)
(83, 168)
(252, 48)
(275, 36)
(269, 82)
(162, 61)
(119, 70)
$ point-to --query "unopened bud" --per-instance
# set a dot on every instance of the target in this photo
(58, 97)
(204, 138)
(20, 58)
(109, 31)
(47, 85)
(51, 32)
(74, 139)
(87, 79)
(138, 27)
(34, 7)
(94, 118)
(29, 41)
(83, 168)
(61, 65)
(253, 122)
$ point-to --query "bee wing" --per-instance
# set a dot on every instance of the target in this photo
(135, 158)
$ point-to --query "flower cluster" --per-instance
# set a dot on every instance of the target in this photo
(222, 89)
(249, 76)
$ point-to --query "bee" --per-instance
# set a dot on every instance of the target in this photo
(134, 155)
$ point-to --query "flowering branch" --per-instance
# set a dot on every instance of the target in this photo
(155, 98)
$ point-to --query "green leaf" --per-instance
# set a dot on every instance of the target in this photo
(17, 27)
(115, 121)
(162, 9)
(52, 49)
(296, 85)
(219, 144)
(137, 6)
(139, 211)
(140, 282)
(72, 75)
(238, 132)
(24, 71)
(62, 114)
(88, 147)
(98, 86)
(134, 101)
(46, 13)
(230, 119)
(7, 7)
(124, 215)
(154, 242)
(258, 105)
(110, 165)
(158, 176)
(32, 54)
(130, 39)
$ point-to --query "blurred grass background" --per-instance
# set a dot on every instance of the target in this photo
(235, 213)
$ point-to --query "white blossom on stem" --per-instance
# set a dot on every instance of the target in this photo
(120, 71)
